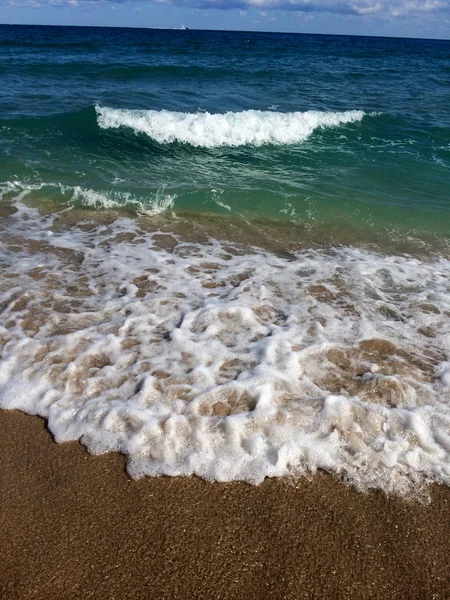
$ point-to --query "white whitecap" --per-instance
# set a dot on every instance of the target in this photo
(250, 127)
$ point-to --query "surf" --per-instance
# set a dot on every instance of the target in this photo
(207, 130)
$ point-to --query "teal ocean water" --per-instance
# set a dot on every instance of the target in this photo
(315, 129)
(226, 253)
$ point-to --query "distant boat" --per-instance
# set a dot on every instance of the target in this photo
(184, 28)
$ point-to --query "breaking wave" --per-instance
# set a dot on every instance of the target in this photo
(154, 203)
(202, 129)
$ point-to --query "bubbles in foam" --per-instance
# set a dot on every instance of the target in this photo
(251, 127)
(223, 361)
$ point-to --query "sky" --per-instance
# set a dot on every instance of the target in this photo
(404, 18)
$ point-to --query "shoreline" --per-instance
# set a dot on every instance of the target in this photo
(280, 235)
(75, 526)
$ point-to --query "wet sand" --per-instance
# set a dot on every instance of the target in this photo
(75, 526)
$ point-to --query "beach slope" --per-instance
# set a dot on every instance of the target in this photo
(75, 526)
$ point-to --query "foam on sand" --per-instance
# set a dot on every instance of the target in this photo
(228, 362)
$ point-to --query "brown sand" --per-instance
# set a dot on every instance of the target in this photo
(74, 526)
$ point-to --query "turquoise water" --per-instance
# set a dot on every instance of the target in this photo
(385, 169)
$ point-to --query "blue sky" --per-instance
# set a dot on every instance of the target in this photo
(410, 18)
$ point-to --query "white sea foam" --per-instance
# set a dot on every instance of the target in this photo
(227, 362)
(251, 127)
(151, 205)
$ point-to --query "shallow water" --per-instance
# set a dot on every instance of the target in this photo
(223, 359)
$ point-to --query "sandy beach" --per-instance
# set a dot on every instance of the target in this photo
(75, 526)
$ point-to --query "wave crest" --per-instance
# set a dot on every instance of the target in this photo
(250, 127)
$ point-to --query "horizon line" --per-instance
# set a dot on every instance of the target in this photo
(391, 37)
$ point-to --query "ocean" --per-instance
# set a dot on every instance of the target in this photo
(227, 253)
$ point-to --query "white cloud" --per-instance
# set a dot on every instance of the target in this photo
(355, 7)
(381, 8)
